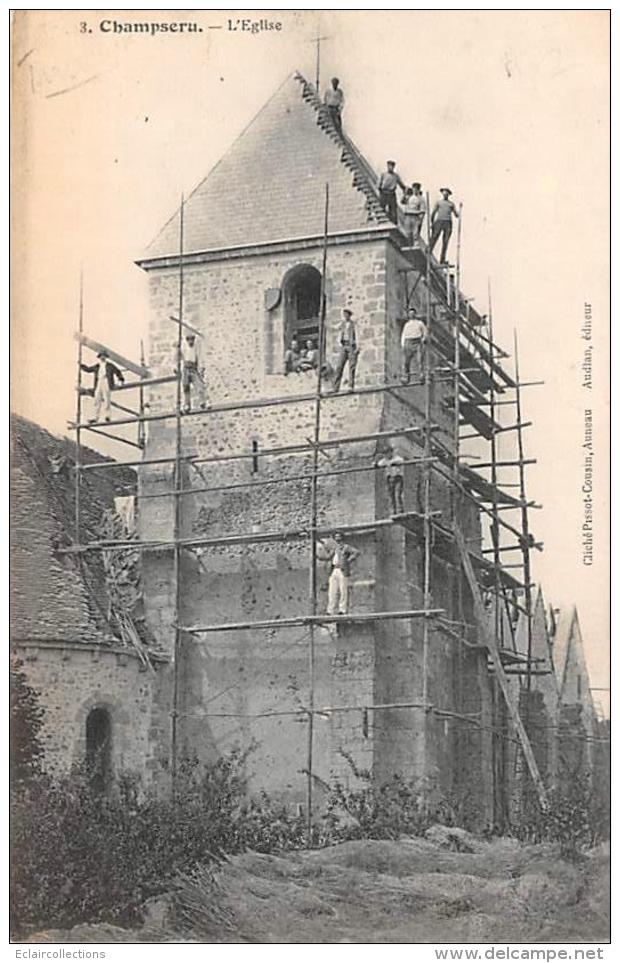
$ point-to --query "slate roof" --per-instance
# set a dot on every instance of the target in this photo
(270, 184)
(56, 596)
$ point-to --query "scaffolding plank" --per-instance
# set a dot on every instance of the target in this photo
(500, 673)
(96, 346)
(483, 487)
(359, 617)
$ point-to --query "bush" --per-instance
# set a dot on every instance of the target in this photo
(26, 749)
(577, 817)
(78, 855)
(396, 808)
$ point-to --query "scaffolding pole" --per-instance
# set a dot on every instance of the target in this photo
(178, 481)
(78, 414)
(428, 440)
(456, 471)
(313, 525)
(525, 541)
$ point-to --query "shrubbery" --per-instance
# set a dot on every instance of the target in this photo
(578, 817)
(82, 856)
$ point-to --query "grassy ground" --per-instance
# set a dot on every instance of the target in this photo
(449, 887)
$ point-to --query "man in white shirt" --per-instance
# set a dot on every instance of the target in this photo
(412, 339)
(334, 101)
(393, 465)
(341, 556)
(414, 209)
(192, 374)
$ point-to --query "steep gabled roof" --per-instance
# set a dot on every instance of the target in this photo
(270, 184)
(54, 596)
(541, 646)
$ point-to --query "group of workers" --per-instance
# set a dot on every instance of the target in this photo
(413, 202)
(296, 360)
(107, 375)
(412, 341)
(413, 207)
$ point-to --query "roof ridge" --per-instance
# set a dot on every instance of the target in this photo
(364, 177)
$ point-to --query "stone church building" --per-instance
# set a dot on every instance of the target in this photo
(396, 699)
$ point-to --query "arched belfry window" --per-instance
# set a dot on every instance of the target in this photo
(301, 292)
(99, 748)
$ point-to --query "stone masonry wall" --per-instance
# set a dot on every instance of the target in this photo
(73, 678)
(235, 685)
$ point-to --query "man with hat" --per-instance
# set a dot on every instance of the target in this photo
(334, 101)
(441, 222)
(388, 182)
(414, 209)
(192, 374)
(348, 350)
(106, 376)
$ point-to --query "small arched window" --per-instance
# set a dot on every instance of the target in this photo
(99, 748)
(301, 292)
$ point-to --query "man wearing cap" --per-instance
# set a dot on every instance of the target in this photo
(414, 209)
(348, 350)
(441, 222)
(334, 101)
(192, 374)
(412, 340)
(388, 182)
(341, 557)
(106, 375)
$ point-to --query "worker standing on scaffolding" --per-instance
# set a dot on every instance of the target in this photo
(348, 350)
(106, 375)
(388, 182)
(441, 222)
(393, 465)
(192, 374)
(414, 209)
(341, 557)
(412, 341)
(334, 101)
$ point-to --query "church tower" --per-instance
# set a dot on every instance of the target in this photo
(394, 691)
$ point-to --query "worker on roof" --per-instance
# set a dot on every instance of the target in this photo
(393, 465)
(341, 557)
(388, 182)
(441, 222)
(349, 350)
(412, 340)
(414, 209)
(334, 101)
(192, 373)
(106, 375)
(292, 358)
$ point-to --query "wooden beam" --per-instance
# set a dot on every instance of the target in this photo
(184, 324)
(286, 623)
(500, 672)
(96, 346)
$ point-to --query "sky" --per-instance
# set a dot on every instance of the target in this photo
(508, 108)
